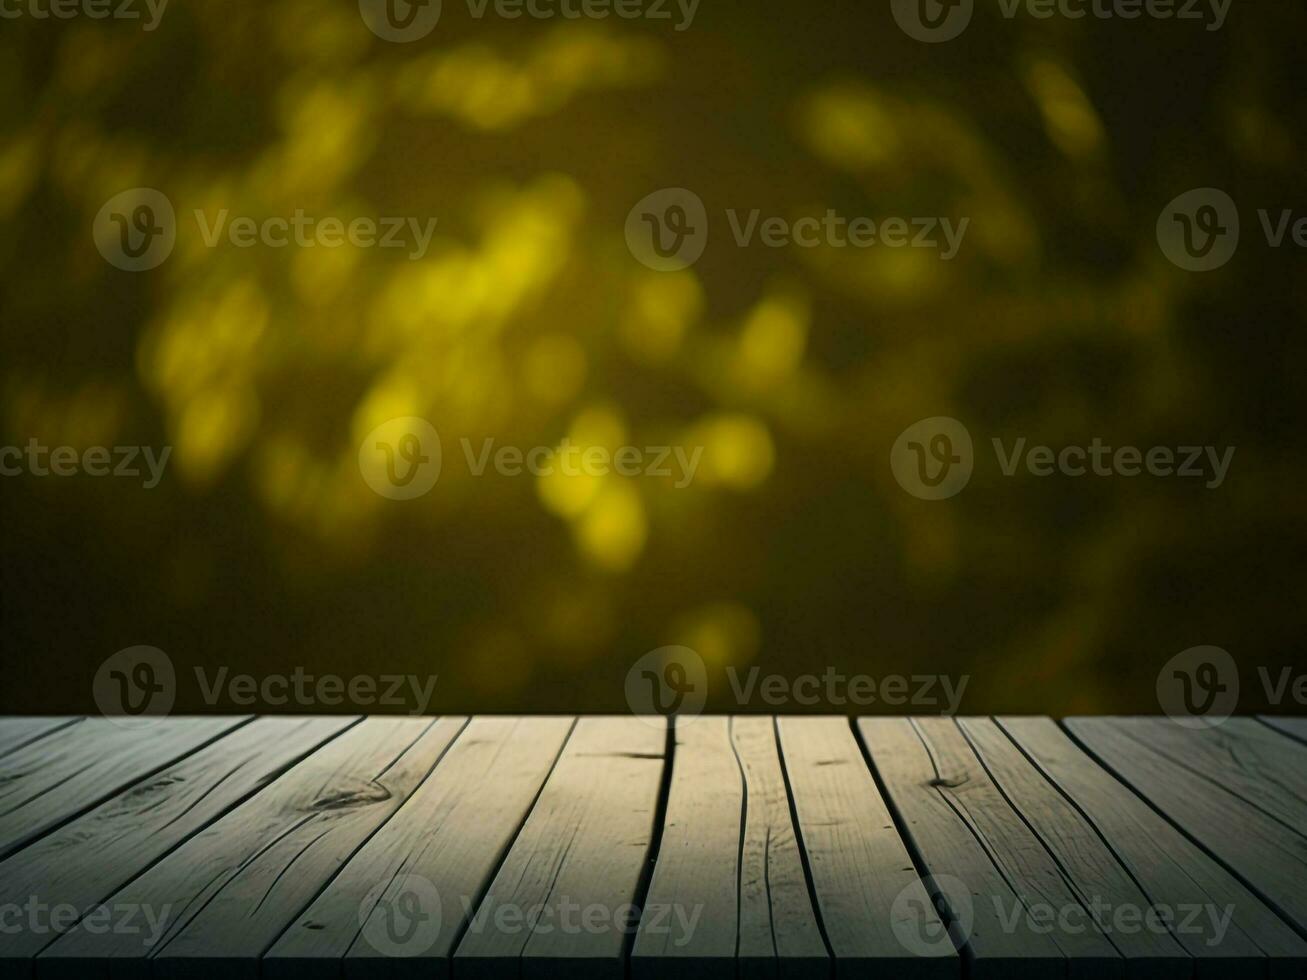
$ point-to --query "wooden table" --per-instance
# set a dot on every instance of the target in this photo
(486, 847)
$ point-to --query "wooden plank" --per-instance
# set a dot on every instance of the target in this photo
(84, 862)
(17, 732)
(778, 933)
(1090, 870)
(561, 903)
(1169, 867)
(1268, 855)
(230, 890)
(52, 780)
(1259, 766)
(954, 822)
(1293, 727)
(448, 839)
(860, 869)
(696, 880)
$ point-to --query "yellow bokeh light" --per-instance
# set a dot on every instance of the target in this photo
(737, 450)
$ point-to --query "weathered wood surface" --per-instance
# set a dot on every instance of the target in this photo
(692, 912)
(982, 870)
(567, 895)
(779, 933)
(229, 891)
(606, 847)
(1093, 877)
(447, 840)
(84, 862)
(1293, 727)
(1211, 802)
(17, 732)
(1171, 870)
(861, 872)
(52, 779)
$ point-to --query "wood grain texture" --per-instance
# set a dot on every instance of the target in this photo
(229, 891)
(778, 932)
(787, 849)
(1262, 768)
(861, 873)
(451, 835)
(950, 813)
(563, 901)
(1168, 867)
(85, 861)
(1270, 856)
(1090, 870)
(1293, 727)
(688, 926)
(53, 779)
(17, 732)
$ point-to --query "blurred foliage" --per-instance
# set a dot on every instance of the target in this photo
(528, 321)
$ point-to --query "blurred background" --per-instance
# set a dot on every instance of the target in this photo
(528, 321)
